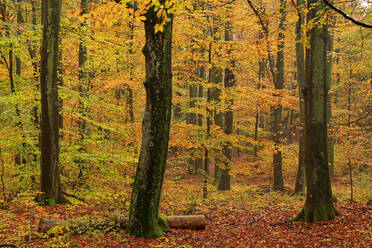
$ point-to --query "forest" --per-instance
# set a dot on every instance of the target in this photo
(185, 123)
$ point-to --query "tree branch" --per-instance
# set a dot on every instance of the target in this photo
(75, 197)
(267, 42)
(354, 121)
(346, 16)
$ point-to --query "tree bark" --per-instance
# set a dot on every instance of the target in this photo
(277, 111)
(329, 104)
(145, 199)
(83, 88)
(216, 77)
(191, 118)
(229, 82)
(50, 175)
(319, 202)
(300, 57)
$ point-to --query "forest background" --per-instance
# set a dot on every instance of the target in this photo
(102, 104)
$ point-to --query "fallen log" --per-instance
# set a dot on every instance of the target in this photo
(192, 222)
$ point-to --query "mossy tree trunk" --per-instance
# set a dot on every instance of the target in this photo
(300, 63)
(277, 111)
(319, 202)
(144, 218)
(49, 146)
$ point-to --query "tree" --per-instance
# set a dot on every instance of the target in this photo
(83, 86)
(229, 82)
(50, 185)
(319, 202)
(277, 111)
(145, 199)
(300, 56)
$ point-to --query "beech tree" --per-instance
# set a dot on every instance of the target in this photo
(145, 200)
(50, 185)
(319, 201)
(277, 111)
(300, 56)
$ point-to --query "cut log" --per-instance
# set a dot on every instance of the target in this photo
(192, 222)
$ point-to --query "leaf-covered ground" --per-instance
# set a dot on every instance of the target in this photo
(247, 216)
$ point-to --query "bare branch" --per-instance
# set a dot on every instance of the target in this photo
(346, 16)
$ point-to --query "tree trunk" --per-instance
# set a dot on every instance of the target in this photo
(319, 202)
(229, 82)
(129, 98)
(192, 222)
(22, 156)
(277, 111)
(147, 186)
(191, 118)
(50, 175)
(300, 57)
(329, 104)
(83, 88)
(216, 77)
(208, 124)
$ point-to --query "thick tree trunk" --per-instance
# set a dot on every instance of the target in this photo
(319, 202)
(300, 57)
(50, 175)
(192, 222)
(277, 111)
(147, 186)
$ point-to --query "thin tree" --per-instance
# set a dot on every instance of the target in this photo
(300, 63)
(83, 87)
(229, 82)
(277, 110)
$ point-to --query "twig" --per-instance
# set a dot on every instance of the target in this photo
(2, 176)
(75, 197)
(254, 220)
(31, 220)
(8, 245)
(287, 223)
(354, 121)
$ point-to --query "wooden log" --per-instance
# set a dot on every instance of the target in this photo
(192, 222)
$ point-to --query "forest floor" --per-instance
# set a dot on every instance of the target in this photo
(247, 216)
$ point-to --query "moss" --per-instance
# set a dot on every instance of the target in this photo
(300, 216)
(51, 202)
(155, 232)
(163, 224)
(321, 211)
